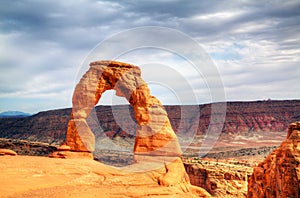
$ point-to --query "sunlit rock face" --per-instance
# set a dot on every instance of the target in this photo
(154, 134)
(156, 145)
(279, 174)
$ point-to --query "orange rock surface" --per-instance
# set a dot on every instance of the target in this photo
(27, 176)
(7, 152)
(279, 174)
(154, 134)
(220, 179)
(156, 145)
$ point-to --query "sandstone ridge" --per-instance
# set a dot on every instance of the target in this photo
(257, 116)
(279, 174)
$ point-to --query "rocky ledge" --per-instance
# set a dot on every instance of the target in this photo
(30, 176)
(279, 174)
(220, 179)
(23, 147)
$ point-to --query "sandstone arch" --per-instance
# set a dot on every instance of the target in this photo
(154, 134)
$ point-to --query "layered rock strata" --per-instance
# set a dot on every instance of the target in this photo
(241, 117)
(23, 147)
(279, 174)
(220, 179)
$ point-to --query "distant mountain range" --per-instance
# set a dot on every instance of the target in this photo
(13, 114)
(241, 117)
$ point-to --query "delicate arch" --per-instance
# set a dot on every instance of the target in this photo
(154, 135)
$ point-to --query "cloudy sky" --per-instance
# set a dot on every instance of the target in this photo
(255, 46)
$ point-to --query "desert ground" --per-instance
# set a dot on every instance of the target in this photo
(228, 164)
(31, 176)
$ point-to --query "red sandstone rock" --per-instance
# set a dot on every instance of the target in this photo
(64, 147)
(259, 116)
(27, 176)
(71, 155)
(220, 179)
(156, 143)
(7, 152)
(279, 174)
(154, 135)
(79, 136)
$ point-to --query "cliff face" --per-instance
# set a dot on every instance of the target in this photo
(218, 178)
(23, 147)
(258, 116)
(48, 126)
(279, 174)
(51, 126)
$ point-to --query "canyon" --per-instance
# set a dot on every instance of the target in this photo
(223, 172)
(241, 117)
(132, 151)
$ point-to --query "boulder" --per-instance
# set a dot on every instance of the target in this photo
(64, 154)
(7, 152)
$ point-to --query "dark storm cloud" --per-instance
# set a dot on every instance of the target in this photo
(72, 24)
(254, 43)
(286, 14)
(66, 23)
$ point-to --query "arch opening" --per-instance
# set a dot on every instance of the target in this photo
(154, 134)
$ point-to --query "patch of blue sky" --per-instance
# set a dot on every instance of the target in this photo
(225, 56)
(29, 105)
(238, 46)
(228, 53)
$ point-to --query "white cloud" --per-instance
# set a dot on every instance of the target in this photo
(255, 45)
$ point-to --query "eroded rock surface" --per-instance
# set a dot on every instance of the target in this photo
(7, 152)
(27, 176)
(241, 117)
(156, 145)
(23, 147)
(279, 174)
(220, 179)
(154, 134)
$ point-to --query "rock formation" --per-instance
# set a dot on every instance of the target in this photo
(23, 147)
(7, 152)
(259, 116)
(156, 143)
(220, 179)
(154, 134)
(28, 176)
(279, 174)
